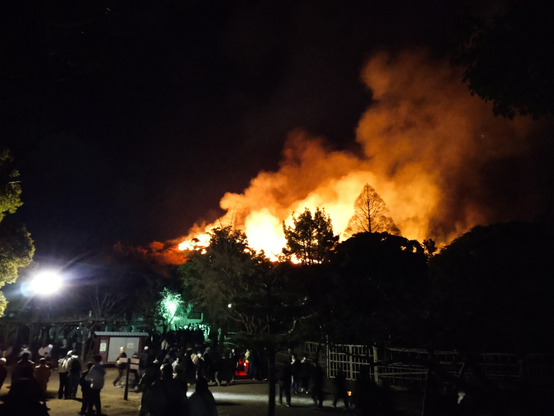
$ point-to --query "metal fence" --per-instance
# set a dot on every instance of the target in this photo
(403, 368)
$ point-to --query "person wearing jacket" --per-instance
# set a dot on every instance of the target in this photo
(85, 390)
(63, 374)
(96, 376)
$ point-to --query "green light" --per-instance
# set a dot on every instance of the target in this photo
(171, 305)
(172, 309)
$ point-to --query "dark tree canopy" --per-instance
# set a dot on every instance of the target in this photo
(244, 291)
(378, 287)
(370, 215)
(507, 59)
(492, 289)
(311, 239)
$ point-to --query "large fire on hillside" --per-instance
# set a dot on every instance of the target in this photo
(427, 148)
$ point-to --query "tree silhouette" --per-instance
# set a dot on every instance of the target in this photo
(311, 240)
(243, 291)
(507, 58)
(370, 215)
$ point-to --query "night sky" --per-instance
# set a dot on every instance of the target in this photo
(152, 110)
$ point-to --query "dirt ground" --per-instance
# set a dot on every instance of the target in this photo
(243, 398)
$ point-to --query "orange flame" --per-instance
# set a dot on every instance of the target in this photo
(424, 137)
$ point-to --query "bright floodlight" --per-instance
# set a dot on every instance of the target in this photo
(46, 283)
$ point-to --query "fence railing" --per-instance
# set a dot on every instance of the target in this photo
(403, 367)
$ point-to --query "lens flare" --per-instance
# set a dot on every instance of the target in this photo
(46, 283)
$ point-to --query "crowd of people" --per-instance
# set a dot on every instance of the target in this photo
(163, 378)
(27, 395)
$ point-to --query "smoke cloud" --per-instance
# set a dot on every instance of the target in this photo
(437, 156)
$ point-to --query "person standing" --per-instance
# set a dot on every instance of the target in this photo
(121, 364)
(74, 375)
(63, 373)
(96, 376)
(42, 374)
(23, 366)
(295, 373)
(167, 395)
(254, 365)
(144, 360)
(233, 363)
(85, 390)
(202, 402)
(339, 387)
(151, 374)
(24, 397)
(284, 378)
(316, 381)
(209, 373)
(304, 375)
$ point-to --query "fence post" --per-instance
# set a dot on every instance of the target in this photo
(125, 394)
(375, 368)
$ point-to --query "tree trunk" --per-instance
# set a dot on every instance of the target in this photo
(84, 344)
(271, 378)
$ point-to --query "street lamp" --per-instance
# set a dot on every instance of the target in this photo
(46, 283)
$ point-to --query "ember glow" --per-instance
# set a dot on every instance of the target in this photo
(424, 141)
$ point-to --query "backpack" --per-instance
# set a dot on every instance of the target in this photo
(75, 366)
(63, 365)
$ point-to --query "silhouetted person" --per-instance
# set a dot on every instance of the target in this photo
(25, 397)
(222, 371)
(74, 375)
(254, 365)
(22, 367)
(202, 402)
(85, 390)
(133, 374)
(209, 370)
(145, 359)
(284, 378)
(42, 375)
(365, 394)
(294, 373)
(151, 374)
(190, 368)
(167, 396)
(96, 376)
(316, 384)
(233, 363)
(339, 389)
(304, 375)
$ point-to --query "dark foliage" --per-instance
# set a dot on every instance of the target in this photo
(492, 290)
(508, 58)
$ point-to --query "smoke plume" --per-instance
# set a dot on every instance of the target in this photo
(435, 154)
